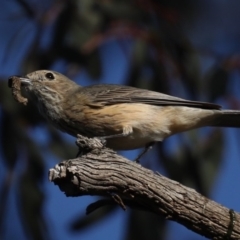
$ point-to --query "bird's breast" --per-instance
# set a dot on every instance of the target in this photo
(141, 120)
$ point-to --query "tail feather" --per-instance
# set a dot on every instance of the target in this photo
(227, 118)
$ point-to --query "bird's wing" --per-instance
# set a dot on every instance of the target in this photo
(110, 94)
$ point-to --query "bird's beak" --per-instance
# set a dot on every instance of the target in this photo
(25, 81)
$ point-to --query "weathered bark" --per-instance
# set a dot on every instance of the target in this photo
(100, 171)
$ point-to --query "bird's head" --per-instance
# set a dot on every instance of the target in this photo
(45, 79)
(46, 84)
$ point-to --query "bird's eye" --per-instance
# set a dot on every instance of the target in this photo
(49, 76)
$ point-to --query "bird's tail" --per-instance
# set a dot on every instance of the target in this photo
(227, 118)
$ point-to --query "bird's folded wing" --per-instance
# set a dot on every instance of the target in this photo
(109, 94)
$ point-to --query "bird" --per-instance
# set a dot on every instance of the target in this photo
(126, 117)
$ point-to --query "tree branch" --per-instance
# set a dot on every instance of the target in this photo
(100, 171)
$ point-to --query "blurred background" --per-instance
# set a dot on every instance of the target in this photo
(185, 48)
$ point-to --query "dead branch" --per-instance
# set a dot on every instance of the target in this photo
(100, 171)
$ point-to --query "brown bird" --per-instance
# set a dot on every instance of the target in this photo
(127, 117)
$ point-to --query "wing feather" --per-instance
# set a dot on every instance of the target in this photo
(110, 94)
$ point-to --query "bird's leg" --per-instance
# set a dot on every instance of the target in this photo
(127, 130)
(113, 136)
(145, 150)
